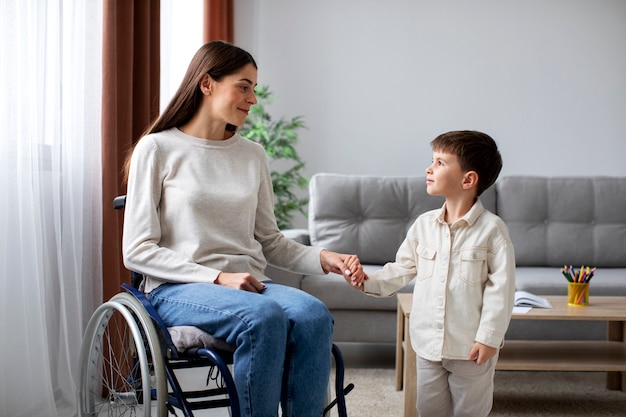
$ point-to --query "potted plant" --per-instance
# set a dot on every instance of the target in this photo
(279, 137)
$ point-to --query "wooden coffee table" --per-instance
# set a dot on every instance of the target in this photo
(536, 355)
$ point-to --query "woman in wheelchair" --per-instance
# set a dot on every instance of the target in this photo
(199, 225)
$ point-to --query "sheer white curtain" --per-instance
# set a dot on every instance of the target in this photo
(50, 185)
(181, 36)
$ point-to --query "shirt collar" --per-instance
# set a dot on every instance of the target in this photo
(470, 217)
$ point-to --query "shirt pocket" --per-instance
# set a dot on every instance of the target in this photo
(426, 261)
(473, 266)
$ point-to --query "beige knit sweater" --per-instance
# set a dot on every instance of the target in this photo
(196, 207)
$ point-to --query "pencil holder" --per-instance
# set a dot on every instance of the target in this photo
(578, 293)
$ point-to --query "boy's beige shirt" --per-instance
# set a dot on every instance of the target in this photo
(465, 282)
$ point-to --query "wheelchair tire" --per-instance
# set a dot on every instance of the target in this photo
(120, 361)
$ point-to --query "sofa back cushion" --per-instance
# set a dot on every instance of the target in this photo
(369, 215)
(556, 221)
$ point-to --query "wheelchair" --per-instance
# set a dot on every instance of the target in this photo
(131, 365)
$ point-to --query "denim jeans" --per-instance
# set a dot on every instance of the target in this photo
(283, 338)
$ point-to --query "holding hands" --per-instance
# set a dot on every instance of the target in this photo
(357, 275)
(341, 264)
(348, 266)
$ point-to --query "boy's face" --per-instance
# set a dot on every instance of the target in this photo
(444, 176)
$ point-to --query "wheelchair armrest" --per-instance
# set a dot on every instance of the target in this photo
(119, 202)
(147, 305)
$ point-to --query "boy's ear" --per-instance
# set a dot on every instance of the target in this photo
(470, 180)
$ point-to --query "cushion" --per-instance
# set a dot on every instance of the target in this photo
(185, 337)
(556, 221)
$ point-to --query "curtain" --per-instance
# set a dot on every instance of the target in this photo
(218, 20)
(130, 104)
(50, 209)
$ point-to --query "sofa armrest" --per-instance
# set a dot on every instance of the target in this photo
(299, 235)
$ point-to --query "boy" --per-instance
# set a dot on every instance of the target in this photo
(463, 261)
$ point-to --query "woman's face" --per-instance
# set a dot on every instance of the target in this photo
(234, 95)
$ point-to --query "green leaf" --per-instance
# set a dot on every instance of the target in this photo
(279, 138)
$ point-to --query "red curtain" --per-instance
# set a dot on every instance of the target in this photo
(218, 20)
(130, 102)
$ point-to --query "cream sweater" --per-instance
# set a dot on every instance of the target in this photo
(197, 207)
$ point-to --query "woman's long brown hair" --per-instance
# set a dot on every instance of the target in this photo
(218, 59)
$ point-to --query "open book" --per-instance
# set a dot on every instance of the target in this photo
(526, 299)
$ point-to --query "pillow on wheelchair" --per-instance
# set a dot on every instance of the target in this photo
(185, 337)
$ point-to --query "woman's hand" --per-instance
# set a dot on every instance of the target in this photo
(240, 281)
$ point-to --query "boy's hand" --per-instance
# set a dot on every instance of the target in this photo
(481, 353)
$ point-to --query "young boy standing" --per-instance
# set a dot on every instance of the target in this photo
(462, 260)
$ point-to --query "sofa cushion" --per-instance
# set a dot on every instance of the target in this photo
(556, 221)
(369, 215)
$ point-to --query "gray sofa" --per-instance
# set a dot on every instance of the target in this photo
(552, 221)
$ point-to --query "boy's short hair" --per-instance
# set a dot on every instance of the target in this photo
(476, 151)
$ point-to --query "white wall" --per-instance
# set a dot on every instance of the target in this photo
(377, 80)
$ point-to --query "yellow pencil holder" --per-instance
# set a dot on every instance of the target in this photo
(578, 293)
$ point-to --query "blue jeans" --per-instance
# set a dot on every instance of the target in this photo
(283, 338)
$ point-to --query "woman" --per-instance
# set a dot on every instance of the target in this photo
(199, 224)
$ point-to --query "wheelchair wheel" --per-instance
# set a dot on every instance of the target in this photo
(122, 372)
